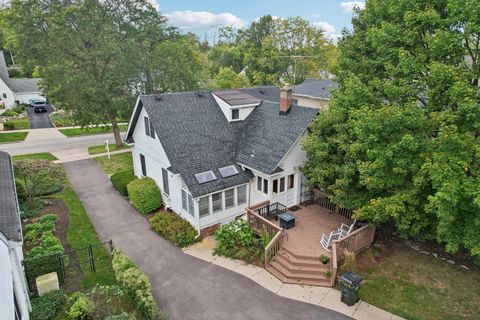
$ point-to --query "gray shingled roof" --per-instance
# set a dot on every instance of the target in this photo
(24, 85)
(316, 88)
(9, 214)
(18, 85)
(197, 137)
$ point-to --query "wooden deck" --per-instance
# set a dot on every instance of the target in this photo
(310, 222)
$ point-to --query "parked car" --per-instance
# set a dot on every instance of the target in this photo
(39, 106)
(33, 100)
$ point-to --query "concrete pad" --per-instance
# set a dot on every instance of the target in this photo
(394, 317)
(295, 292)
(317, 294)
(71, 155)
(202, 254)
(332, 301)
(210, 243)
(226, 263)
(247, 270)
(44, 135)
(267, 280)
(366, 311)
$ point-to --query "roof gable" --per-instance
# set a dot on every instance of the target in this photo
(316, 88)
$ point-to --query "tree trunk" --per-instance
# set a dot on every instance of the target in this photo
(116, 133)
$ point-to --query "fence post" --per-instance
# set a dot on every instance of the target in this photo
(110, 243)
(90, 256)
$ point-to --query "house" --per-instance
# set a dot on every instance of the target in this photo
(14, 301)
(314, 93)
(212, 154)
(15, 90)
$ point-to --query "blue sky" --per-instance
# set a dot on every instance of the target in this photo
(205, 16)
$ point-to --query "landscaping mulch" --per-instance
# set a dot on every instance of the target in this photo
(74, 271)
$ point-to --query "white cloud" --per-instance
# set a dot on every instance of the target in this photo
(155, 4)
(201, 20)
(329, 29)
(348, 6)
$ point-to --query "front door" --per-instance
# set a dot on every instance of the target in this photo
(290, 190)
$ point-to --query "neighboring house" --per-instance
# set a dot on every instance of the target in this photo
(214, 153)
(14, 301)
(314, 93)
(15, 90)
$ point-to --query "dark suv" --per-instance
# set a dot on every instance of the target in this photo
(39, 106)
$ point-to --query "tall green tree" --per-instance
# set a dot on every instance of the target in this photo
(227, 78)
(269, 46)
(400, 141)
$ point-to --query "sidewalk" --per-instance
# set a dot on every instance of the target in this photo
(81, 154)
(321, 296)
(44, 134)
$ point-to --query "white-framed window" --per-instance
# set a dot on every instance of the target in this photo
(229, 198)
(241, 195)
(291, 181)
(166, 188)
(278, 185)
(262, 185)
(204, 206)
(184, 200)
(149, 130)
(217, 202)
(235, 114)
(191, 208)
(259, 183)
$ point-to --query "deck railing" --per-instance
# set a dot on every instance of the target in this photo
(355, 242)
(322, 198)
(263, 228)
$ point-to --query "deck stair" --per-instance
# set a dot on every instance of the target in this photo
(294, 268)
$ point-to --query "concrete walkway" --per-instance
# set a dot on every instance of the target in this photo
(184, 286)
(321, 296)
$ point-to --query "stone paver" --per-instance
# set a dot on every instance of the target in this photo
(184, 286)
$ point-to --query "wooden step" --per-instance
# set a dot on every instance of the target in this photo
(301, 261)
(300, 268)
(319, 274)
(324, 282)
(300, 256)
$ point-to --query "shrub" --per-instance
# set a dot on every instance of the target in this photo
(121, 179)
(135, 283)
(80, 306)
(30, 209)
(144, 195)
(9, 113)
(43, 229)
(349, 263)
(39, 177)
(47, 306)
(237, 240)
(106, 299)
(173, 228)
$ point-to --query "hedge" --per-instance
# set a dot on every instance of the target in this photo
(144, 195)
(135, 283)
(47, 306)
(121, 179)
(175, 229)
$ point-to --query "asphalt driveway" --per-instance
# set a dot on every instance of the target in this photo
(39, 120)
(185, 287)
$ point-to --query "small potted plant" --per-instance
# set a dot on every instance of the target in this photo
(324, 259)
(327, 274)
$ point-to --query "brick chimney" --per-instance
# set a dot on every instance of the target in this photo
(285, 99)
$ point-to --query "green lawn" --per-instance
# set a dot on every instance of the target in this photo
(117, 162)
(80, 234)
(12, 136)
(75, 132)
(101, 148)
(418, 286)
(36, 156)
(17, 124)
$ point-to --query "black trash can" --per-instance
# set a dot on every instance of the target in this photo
(349, 286)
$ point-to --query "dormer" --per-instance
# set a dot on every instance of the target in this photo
(235, 104)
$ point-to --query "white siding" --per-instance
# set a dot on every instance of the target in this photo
(9, 101)
(24, 97)
(244, 111)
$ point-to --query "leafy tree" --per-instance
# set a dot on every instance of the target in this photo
(38, 177)
(229, 79)
(269, 44)
(225, 56)
(400, 141)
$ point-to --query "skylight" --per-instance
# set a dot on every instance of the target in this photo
(228, 171)
(206, 176)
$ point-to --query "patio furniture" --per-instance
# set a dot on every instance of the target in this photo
(271, 211)
(346, 229)
(287, 220)
(326, 240)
